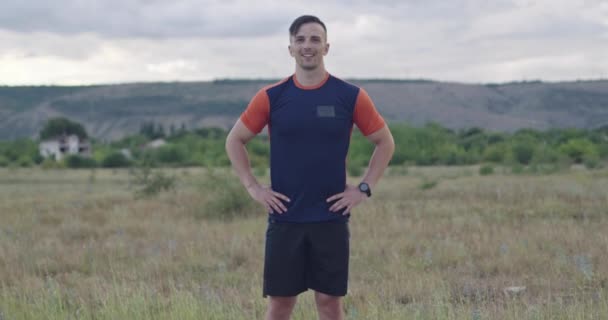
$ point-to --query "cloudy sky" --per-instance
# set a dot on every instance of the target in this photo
(473, 41)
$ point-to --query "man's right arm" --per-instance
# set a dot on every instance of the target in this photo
(237, 153)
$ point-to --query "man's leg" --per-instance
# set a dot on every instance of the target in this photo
(279, 308)
(329, 307)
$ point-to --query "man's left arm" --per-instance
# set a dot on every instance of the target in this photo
(383, 152)
(385, 147)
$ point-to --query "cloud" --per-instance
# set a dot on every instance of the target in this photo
(70, 41)
(150, 19)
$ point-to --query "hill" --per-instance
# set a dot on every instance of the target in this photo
(111, 111)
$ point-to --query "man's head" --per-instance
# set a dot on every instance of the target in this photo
(308, 42)
(297, 23)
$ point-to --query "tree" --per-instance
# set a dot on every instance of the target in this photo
(579, 149)
(62, 126)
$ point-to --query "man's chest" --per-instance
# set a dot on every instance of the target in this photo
(312, 115)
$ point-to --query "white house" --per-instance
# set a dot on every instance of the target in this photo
(154, 144)
(64, 145)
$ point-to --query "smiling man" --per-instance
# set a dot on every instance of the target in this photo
(310, 116)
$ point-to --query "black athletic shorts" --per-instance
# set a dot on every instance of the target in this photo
(302, 256)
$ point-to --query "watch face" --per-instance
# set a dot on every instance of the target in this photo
(364, 187)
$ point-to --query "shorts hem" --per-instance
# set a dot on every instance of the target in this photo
(331, 293)
(290, 294)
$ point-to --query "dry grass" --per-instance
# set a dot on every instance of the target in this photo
(78, 245)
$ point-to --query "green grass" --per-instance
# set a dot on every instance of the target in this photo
(72, 247)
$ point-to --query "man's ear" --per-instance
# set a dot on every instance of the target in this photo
(289, 49)
(326, 49)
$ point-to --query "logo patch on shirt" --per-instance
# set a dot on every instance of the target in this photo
(326, 112)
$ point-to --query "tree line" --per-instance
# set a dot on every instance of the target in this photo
(428, 145)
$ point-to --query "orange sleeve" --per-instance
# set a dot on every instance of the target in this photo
(257, 114)
(366, 117)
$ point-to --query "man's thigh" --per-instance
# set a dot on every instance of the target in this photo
(329, 258)
(285, 260)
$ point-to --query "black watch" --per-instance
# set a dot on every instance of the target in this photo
(364, 187)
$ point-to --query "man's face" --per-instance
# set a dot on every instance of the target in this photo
(309, 45)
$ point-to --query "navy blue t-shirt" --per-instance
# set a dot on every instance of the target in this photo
(310, 129)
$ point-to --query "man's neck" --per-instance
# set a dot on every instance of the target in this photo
(310, 78)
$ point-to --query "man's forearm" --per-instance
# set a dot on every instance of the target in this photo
(378, 162)
(237, 153)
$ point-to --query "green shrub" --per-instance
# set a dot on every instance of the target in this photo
(228, 199)
(486, 170)
(50, 163)
(25, 162)
(355, 171)
(517, 168)
(592, 161)
(150, 182)
(115, 160)
(3, 161)
(427, 185)
(495, 153)
(79, 162)
(523, 152)
(579, 149)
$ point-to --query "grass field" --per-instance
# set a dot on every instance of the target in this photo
(433, 243)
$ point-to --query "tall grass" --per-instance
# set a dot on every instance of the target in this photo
(72, 247)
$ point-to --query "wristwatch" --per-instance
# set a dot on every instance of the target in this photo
(364, 187)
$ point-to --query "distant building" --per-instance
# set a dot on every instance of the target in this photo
(154, 144)
(64, 145)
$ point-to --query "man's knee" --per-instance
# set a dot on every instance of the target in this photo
(280, 307)
(330, 307)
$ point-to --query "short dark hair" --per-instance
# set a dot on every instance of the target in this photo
(297, 23)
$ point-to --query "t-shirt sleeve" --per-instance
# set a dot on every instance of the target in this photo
(256, 116)
(366, 117)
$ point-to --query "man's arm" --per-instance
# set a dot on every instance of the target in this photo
(385, 147)
(237, 153)
(237, 138)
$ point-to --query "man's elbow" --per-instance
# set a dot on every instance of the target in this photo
(387, 143)
(233, 140)
(230, 141)
(390, 146)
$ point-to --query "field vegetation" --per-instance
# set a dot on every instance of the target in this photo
(435, 242)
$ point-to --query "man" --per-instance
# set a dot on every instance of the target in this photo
(310, 117)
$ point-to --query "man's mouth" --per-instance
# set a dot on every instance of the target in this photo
(308, 55)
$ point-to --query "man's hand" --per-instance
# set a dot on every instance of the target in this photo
(350, 198)
(271, 200)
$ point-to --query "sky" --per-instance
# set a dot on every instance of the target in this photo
(79, 42)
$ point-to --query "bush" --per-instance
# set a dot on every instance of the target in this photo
(592, 162)
(579, 149)
(79, 162)
(25, 162)
(228, 199)
(50, 163)
(355, 170)
(115, 160)
(486, 170)
(517, 169)
(427, 185)
(150, 183)
(495, 153)
(523, 152)
(3, 161)
(170, 154)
